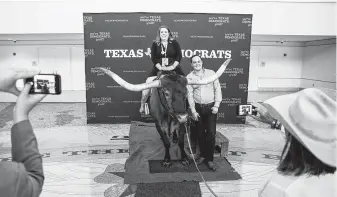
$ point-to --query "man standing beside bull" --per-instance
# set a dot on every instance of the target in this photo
(204, 101)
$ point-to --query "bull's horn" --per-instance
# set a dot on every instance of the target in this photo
(129, 86)
(211, 78)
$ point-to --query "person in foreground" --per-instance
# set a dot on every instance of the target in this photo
(204, 101)
(23, 176)
(308, 161)
(166, 56)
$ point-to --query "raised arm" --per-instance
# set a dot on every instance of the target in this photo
(23, 176)
(29, 175)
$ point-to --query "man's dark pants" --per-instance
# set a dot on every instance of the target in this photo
(204, 130)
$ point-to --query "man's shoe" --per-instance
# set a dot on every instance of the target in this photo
(200, 161)
(211, 165)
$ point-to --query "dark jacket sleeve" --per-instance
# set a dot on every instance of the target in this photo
(178, 49)
(24, 175)
(154, 59)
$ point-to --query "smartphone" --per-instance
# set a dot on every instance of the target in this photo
(244, 110)
(45, 84)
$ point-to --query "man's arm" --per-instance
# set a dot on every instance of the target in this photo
(25, 151)
(217, 93)
(190, 98)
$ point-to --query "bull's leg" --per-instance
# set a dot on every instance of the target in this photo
(184, 160)
(174, 130)
(163, 135)
(174, 137)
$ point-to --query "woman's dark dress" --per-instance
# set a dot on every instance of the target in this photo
(173, 54)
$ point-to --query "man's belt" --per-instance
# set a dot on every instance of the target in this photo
(205, 105)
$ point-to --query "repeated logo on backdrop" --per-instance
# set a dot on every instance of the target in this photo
(121, 42)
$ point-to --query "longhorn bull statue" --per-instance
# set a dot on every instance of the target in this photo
(168, 105)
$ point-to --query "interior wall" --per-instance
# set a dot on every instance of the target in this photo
(319, 66)
(270, 70)
(273, 17)
(278, 68)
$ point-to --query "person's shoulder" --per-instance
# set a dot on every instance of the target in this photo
(174, 41)
(277, 184)
(189, 75)
(283, 181)
(155, 43)
(323, 184)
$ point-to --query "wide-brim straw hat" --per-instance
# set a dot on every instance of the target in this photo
(310, 116)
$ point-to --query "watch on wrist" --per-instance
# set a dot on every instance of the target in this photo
(276, 124)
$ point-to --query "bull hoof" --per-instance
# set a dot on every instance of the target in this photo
(166, 163)
(185, 162)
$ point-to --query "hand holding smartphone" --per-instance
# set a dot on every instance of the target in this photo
(45, 84)
(244, 110)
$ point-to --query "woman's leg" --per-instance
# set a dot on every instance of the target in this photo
(145, 95)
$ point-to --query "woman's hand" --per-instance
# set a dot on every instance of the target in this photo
(173, 66)
(263, 114)
(25, 103)
(9, 76)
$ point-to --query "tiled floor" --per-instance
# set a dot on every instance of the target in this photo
(79, 159)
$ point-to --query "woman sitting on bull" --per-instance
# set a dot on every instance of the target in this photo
(166, 56)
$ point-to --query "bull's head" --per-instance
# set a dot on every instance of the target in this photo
(173, 88)
(173, 95)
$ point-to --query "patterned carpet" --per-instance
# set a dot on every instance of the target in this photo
(88, 160)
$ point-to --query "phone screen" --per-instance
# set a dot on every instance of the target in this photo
(243, 110)
(45, 84)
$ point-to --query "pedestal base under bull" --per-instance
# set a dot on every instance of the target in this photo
(147, 151)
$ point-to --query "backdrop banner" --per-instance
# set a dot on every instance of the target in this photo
(121, 42)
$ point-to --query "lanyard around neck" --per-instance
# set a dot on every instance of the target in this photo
(163, 52)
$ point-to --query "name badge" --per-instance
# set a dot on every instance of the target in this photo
(164, 61)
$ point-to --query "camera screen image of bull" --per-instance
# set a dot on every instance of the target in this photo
(44, 84)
